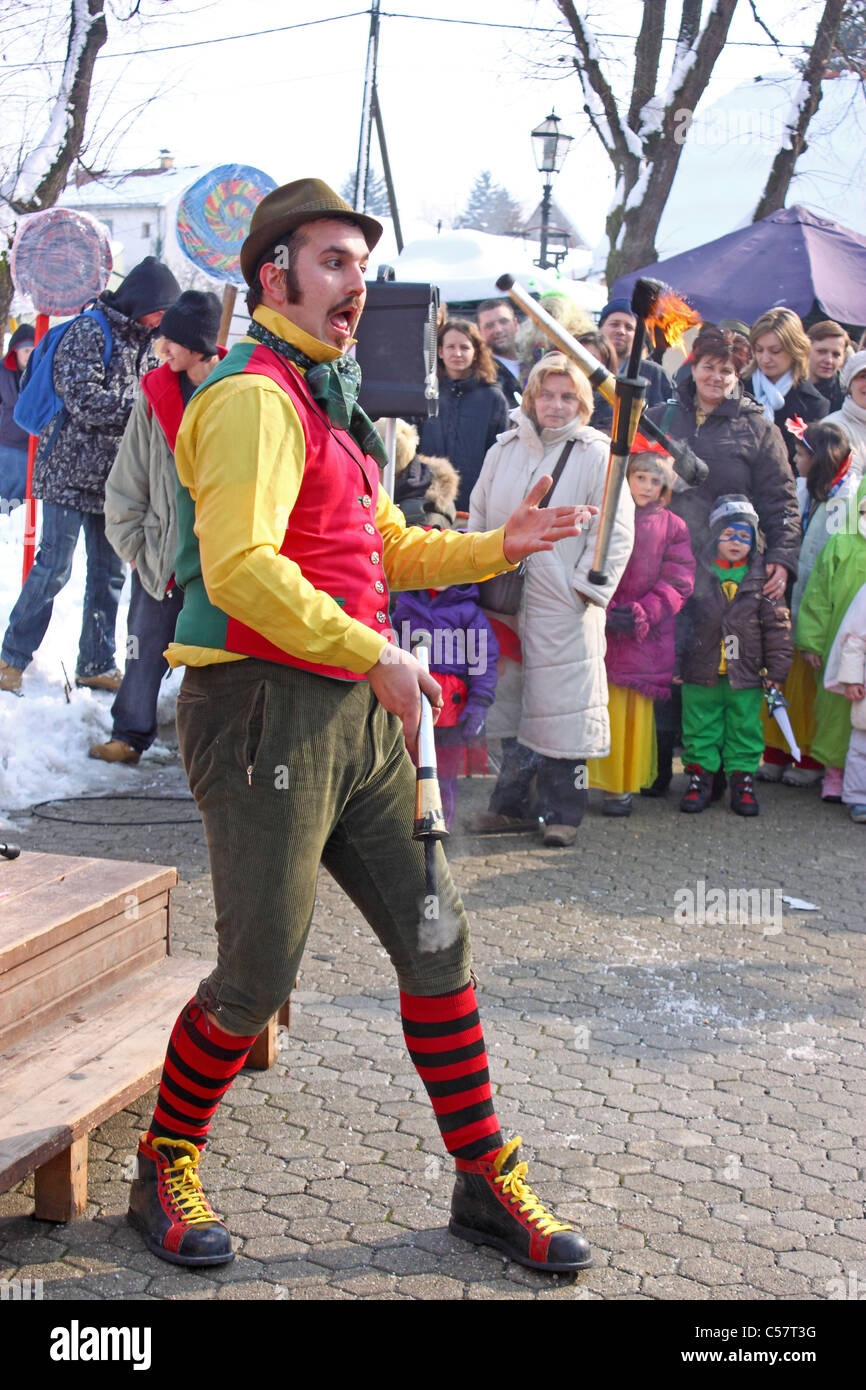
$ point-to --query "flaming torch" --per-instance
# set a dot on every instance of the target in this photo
(655, 306)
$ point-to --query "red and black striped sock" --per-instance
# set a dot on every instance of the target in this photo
(200, 1064)
(446, 1044)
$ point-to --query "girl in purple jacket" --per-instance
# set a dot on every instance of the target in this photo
(463, 657)
(658, 579)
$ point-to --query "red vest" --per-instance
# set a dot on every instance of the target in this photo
(164, 400)
(331, 533)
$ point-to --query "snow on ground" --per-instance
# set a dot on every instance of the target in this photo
(43, 739)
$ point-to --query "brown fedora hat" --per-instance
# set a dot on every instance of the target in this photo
(286, 208)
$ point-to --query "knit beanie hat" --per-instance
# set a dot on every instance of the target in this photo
(853, 367)
(149, 287)
(616, 306)
(193, 321)
(733, 506)
(25, 333)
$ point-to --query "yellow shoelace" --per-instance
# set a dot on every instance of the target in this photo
(517, 1190)
(184, 1186)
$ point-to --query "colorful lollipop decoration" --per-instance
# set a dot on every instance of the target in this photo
(61, 259)
(213, 218)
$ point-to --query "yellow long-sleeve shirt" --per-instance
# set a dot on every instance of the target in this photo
(240, 453)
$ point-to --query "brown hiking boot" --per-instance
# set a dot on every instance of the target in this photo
(115, 751)
(106, 680)
(10, 678)
(559, 836)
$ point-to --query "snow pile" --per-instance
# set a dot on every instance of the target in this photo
(44, 740)
(466, 264)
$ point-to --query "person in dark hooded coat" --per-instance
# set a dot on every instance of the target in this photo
(744, 451)
(13, 440)
(69, 475)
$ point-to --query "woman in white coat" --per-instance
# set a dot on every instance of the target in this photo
(551, 706)
(852, 416)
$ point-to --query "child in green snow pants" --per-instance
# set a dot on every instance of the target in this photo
(722, 727)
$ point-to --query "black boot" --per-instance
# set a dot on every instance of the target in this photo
(743, 799)
(493, 1205)
(700, 789)
(665, 743)
(168, 1206)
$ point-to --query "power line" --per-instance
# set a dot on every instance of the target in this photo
(385, 14)
(195, 43)
(600, 34)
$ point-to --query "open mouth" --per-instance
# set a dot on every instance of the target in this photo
(343, 320)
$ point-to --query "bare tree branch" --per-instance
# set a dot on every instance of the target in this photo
(645, 150)
(758, 20)
(690, 24)
(595, 83)
(42, 176)
(647, 51)
(808, 100)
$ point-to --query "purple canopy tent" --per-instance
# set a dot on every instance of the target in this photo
(791, 257)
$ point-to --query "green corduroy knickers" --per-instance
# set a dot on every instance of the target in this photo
(290, 769)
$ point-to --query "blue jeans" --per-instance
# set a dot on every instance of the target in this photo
(13, 477)
(150, 627)
(29, 619)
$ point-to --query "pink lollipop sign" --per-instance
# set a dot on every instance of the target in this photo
(60, 259)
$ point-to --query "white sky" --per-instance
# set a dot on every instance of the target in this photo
(456, 98)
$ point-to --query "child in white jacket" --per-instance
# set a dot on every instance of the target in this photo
(846, 673)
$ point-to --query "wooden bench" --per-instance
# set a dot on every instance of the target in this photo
(89, 993)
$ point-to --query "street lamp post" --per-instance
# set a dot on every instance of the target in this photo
(550, 146)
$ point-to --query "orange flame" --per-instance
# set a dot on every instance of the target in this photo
(673, 316)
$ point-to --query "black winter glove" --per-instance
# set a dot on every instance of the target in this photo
(621, 619)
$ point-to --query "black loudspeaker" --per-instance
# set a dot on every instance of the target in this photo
(396, 350)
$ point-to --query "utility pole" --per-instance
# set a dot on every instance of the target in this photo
(371, 111)
(362, 171)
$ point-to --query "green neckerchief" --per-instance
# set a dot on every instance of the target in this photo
(735, 572)
(335, 386)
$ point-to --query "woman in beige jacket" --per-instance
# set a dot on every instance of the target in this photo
(551, 706)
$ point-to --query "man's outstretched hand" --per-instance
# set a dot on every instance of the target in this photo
(531, 528)
(397, 680)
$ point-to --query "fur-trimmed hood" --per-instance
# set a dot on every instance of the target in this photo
(426, 486)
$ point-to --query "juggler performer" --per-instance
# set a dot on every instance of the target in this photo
(294, 717)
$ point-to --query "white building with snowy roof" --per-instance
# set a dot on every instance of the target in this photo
(139, 208)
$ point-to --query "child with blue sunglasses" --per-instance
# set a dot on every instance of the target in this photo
(733, 641)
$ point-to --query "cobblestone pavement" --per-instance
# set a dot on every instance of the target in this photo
(690, 1090)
